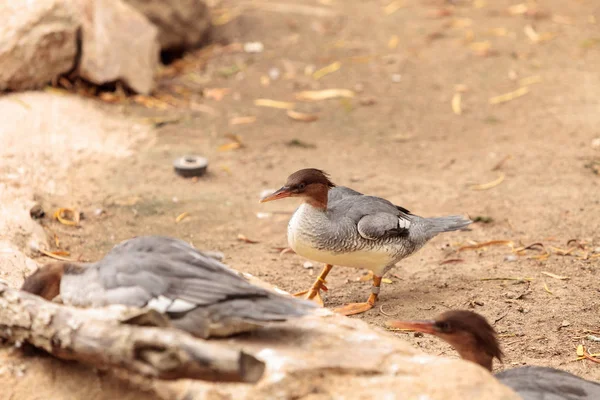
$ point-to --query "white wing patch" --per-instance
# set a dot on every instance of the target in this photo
(403, 223)
(163, 304)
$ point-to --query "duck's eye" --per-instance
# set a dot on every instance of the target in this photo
(444, 326)
(301, 186)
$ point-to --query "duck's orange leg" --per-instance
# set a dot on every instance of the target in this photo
(357, 308)
(314, 293)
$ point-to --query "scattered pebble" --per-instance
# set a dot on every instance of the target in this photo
(596, 143)
(396, 78)
(254, 47)
(565, 324)
(274, 73)
(263, 215)
(175, 200)
(308, 265)
(37, 212)
(98, 212)
(511, 258)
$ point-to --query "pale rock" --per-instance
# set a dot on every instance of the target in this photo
(118, 43)
(181, 24)
(38, 42)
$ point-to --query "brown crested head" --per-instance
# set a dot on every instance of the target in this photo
(45, 282)
(469, 333)
(310, 183)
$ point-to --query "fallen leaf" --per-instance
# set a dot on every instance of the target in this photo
(456, 104)
(452, 261)
(300, 143)
(53, 255)
(331, 68)
(388, 281)
(316, 95)
(67, 216)
(242, 120)
(509, 96)
(244, 239)
(300, 116)
(551, 275)
(547, 289)
(489, 185)
(580, 350)
(181, 216)
(229, 146)
(393, 7)
(274, 104)
(215, 93)
(518, 9)
(486, 244)
(60, 253)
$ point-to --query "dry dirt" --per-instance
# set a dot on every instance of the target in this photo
(399, 139)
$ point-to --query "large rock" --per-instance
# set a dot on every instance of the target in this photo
(328, 356)
(118, 43)
(38, 42)
(181, 23)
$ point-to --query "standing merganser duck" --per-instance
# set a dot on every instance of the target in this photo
(198, 293)
(475, 340)
(339, 226)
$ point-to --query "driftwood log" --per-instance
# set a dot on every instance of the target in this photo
(106, 338)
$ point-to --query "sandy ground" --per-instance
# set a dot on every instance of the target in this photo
(398, 138)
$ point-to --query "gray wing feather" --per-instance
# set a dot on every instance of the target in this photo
(154, 266)
(375, 218)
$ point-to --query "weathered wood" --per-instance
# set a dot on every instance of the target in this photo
(100, 337)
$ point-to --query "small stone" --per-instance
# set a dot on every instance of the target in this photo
(511, 258)
(308, 265)
(565, 324)
(98, 212)
(596, 143)
(597, 250)
(254, 47)
(396, 78)
(274, 73)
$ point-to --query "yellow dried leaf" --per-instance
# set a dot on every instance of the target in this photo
(53, 255)
(518, 9)
(216, 93)
(498, 32)
(456, 106)
(580, 350)
(551, 275)
(331, 68)
(67, 216)
(230, 146)
(386, 280)
(284, 105)
(299, 116)
(393, 7)
(316, 95)
(181, 216)
(481, 48)
(547, 289)
(503, 98)
(489, 185)
(393, 42)
(242, 120)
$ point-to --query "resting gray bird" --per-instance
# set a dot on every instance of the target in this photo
(336, 225)
(198, 293)
(475, 340)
